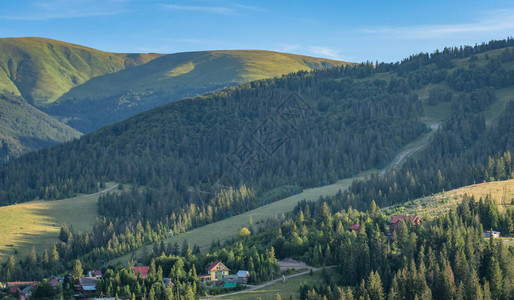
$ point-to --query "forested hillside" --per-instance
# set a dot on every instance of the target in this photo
(24, 128)
(115, 97)
(87, 89)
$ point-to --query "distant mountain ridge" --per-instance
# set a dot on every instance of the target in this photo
(41, 70)
(87, 88)
(114, 97)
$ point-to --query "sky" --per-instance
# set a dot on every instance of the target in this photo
(354, 31)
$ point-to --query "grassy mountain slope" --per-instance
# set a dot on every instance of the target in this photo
(42, 221)
(41, 70)
(25, 128)
(502, 192)
(117, 96)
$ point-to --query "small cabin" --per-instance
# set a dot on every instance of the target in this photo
(494, 234)
(141, 270)
(355, 227)
(243, 276)
(413, 219)
(95, 273)
(88, 284)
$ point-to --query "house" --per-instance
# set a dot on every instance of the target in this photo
(415, 220)
(95, 273)
(88, 284)
(26, 292)
(54, 282)
(487, 234)
(204, 278)
(243, 276)
(217, 271)
(16, 287)
(167, 282)
(355, 227)
(141, 270)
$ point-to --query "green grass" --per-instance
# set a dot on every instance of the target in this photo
(37, 223)
(41, 70)
(228, 228)
(290, 287)
(503, 96)
(442, 202)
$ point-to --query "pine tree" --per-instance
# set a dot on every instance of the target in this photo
(77, 270)
(151, 294)
(374, 286)
(55, 254)
(495, 278)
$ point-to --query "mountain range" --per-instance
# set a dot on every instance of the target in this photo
(85, 89)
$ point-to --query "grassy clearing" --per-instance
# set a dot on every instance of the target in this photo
(442, 202)
(37, 223)
(503, 96)
(285, 289)
(228, 228)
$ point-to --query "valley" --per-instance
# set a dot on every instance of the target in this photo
(314, 166)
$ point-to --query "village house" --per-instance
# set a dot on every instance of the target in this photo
(23, 288)
(26, 292)
(87, 284)
(355, 227)
(413, 219)
(243, 276)
(54, 282)
(95, 273)
(167, 282)
(487, 234)
(217, 270)
(141, 270)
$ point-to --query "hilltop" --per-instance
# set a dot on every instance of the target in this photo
(86, 88)
(41, 70)
(115, 97)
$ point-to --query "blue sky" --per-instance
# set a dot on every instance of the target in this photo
(357, 30)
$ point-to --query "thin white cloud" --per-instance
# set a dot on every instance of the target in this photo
(325, 52)
(60, 9)
(247, 7)
(491, 22)
(288, 48)
(208, 9)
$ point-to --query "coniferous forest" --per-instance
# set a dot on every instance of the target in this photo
(262, 140)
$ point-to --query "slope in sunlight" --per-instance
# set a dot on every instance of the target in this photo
(41, 70)
(115, 97)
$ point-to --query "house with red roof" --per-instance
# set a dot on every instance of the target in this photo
(217, 271)
(54, 282)
(413, 219)
(141, 270)
(355, 227)
(95, 273)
